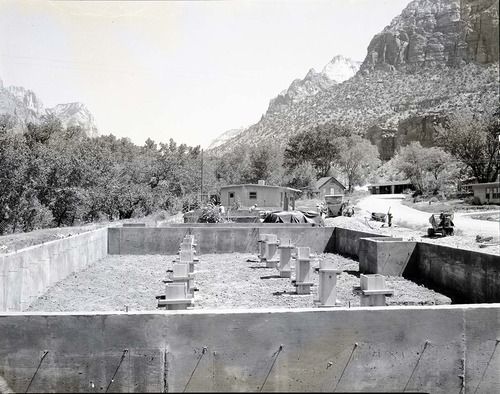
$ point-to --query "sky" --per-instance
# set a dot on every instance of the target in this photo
(186, 70)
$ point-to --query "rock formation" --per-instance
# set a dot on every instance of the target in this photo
(437, 33)
(223, 138)
(25, 107)
(436, 58)
(75, 114)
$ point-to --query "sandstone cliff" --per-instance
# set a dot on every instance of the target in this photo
(434, 59)
(437, 33)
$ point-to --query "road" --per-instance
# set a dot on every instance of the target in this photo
(405, 216)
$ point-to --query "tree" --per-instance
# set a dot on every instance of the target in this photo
(473, 138)
(265, 163)
(302, 176)
(232, 167)
(357, 159)
(318, 146)
(428, 169)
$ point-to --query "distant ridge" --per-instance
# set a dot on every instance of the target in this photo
(434, 59)
(25, 107)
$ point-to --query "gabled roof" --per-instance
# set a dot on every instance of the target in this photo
(321, 181)
(486, 184)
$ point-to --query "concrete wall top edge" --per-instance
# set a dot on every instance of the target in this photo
(32, 247)
(257, 311)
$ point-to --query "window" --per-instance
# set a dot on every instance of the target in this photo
(252, 196)
(487, 193)
(495, 192)
(231, 194)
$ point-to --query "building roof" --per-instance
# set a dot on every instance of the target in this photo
(488, 184)
(321, 181)
(391, 183)
(256, 184)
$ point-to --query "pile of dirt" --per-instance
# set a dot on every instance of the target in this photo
(351, 223)
(224, 281)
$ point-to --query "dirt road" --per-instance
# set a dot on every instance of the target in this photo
(405, 215)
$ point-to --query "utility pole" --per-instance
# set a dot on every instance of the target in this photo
(201, 186)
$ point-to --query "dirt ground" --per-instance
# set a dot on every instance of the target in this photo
(224, 281)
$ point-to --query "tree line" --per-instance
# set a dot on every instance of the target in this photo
(55, 176)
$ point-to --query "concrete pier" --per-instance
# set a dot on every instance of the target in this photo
(285, 256)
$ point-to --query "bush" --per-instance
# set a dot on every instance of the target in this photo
(211, 214)
(476, 201)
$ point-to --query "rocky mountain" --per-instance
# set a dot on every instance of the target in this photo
(336, 71)
(435, 58)
(75, 114)
(340, 69)
(25, 107)
(443, 33)
(223, 138)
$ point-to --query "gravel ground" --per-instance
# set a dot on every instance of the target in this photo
(224, 281)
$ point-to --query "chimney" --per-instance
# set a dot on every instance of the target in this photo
(261, 182)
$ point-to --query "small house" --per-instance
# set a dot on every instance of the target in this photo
(488, 193)
(260, 194)
(329, 185)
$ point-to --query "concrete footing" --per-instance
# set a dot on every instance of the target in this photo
(285, 255)
(385, 255)
(303, 272)
(327, 289)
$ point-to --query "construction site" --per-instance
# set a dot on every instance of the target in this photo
(248, 307)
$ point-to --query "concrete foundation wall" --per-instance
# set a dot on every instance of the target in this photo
(446, 349)
(472, 276)
(347, 241)
(27, 274)
(166, 240)
(385, 255)
(259, 225)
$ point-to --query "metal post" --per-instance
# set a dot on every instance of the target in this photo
(201, 186)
